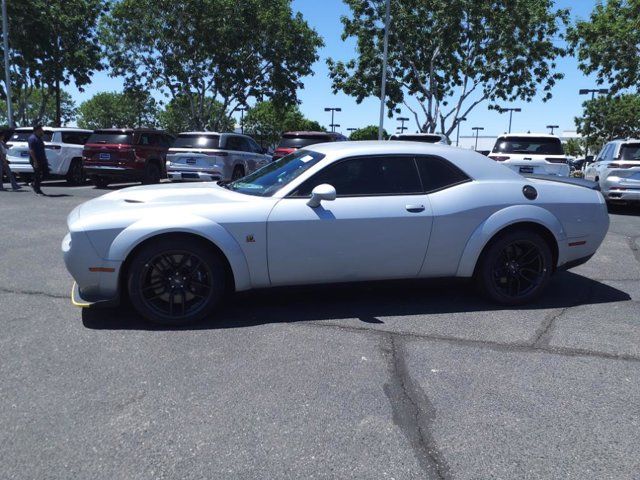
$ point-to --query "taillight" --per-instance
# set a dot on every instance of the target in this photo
(499, 158)
(556, 160)
(621, 165)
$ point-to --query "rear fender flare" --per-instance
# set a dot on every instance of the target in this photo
(500, 220)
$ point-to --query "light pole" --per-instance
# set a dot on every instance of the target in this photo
(460, 120)
(333, 110)
(402, 128)
(334, 126)
(385, 56)
(7, 74)
(242, 110)
(592, 91)
(510, 110)
(351, 130)
(477, 130)
(552, 128)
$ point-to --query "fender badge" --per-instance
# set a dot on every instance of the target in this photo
(251, 239)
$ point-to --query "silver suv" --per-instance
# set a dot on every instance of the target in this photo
(211, 156)
(617, 170)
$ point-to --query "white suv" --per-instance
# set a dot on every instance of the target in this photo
(210, 156)
(527, 153)
(63, 148)
(617, 170)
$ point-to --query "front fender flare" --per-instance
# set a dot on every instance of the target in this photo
(500, 220)
(149, 227)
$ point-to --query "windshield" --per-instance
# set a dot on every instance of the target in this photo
(272, 177)
(300, 141)
(630, 151)
(111, 137)
(530, 145)
(196, 141)
(417, 138)
(23, 136)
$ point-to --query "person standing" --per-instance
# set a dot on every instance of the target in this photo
(4, 162)
(38, 158)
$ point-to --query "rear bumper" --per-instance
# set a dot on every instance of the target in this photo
(179, 174)
(19, 165)
(112, 172)
(621, 189)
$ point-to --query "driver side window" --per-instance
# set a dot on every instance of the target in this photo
(367, 176)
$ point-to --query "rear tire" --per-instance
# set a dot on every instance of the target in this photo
(75, 175)
(100, 182)
(151, 174)
(515, 268)
(176, 281)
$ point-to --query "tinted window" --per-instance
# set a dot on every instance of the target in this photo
(234, 143)
(437, 173)
(531, 145)
(630, 151)
(275, 175)
(144, 139)
(254, 146)
(23, 136)
(111, 137)
(367, 176)
(75, 138)
(300, 141)
(196, 141)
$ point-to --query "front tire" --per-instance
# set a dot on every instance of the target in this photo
(100, 182)
(515, 268)
(176, 281)
(238, 173)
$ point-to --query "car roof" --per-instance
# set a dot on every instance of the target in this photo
(474, 164)
(200, 133)
(313, 134)
(421, 134)
(528, 134)
(128, 130)
(55, 129)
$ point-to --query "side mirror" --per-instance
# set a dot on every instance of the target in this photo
(321, 192)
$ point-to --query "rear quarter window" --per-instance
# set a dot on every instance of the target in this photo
(437, 174)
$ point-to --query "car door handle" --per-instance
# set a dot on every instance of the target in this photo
(415, 208)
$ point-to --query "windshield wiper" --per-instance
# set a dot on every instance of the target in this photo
(225, 184)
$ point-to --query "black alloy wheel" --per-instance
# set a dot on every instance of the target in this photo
(515, 268)
(176, 282)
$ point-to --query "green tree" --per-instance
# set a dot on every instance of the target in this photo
(176, 117)
(266, 122)
(38, 106)
(605, 118)
(54, 42)
(608, 43)
(574, 147)
(226, 50)
(367, 133)
(113, 109)
(448, 56)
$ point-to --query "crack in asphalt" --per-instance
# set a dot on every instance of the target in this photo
(33, 293)
(545, 332)
(496, 346)
(413, 412)
(635, 248)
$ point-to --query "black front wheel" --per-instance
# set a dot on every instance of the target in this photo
(515, 268)
(100, 182)
(176, 281)
(151, 174)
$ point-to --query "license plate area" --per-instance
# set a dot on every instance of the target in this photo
(104, 156)
(526, 169)
(24, 154)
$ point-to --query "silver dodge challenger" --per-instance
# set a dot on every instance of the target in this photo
(335, 212)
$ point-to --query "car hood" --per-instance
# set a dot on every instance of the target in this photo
(125, 206)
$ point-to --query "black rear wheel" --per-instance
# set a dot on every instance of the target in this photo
(75, 175)
(238, 173)
(515, 268)
(100, 182)
(151, 174)
(176, 281)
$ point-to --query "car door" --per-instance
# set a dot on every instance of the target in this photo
(592, 171)
(377, 228)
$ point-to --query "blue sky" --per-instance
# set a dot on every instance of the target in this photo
(324, 16)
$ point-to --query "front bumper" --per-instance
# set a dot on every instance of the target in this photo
(96, 279)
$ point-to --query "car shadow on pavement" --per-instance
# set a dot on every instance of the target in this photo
(624, 209)
(364, 301)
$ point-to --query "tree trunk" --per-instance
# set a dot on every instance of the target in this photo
(58, 114)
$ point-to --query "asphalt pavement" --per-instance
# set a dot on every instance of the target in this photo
(400, 380)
